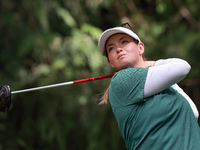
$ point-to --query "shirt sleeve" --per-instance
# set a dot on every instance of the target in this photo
(127, 86)
(164, 74)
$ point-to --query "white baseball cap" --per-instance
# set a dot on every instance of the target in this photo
(109, 32)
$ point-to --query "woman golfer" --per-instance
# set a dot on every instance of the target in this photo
(152, 111)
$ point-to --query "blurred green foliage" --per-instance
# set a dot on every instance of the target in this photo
(52, 41)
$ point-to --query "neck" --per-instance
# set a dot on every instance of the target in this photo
(149, 63)
(145, 64)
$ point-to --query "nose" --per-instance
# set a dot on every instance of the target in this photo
(119, 49)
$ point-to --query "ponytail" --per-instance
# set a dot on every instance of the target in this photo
(104, 98)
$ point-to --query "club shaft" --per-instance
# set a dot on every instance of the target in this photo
(62, 84)
(43, 87)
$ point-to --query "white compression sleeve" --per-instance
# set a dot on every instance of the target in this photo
(165, 73)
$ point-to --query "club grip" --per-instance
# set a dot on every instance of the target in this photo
(5, 98)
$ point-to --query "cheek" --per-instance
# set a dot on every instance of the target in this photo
(132, 49)
(112, 59)
(111, 55)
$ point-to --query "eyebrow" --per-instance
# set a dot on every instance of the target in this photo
(118, 40)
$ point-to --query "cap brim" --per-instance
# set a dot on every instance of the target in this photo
(108, 33)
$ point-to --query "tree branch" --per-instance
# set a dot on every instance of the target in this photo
(185, 13)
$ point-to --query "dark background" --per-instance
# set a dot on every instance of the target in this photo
(46, 42)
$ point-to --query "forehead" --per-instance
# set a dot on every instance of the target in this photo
(117, 37)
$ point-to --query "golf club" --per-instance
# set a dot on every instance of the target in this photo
(5, 92)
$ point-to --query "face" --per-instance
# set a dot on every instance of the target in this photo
(123, 52)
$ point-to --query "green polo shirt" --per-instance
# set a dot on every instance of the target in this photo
(164, 121)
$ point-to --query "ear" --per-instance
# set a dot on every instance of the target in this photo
(141, 48)
(110, 63)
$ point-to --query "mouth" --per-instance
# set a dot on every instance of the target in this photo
(120, 56)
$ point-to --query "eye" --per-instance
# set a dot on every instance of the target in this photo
(110, 49)
(124, 41)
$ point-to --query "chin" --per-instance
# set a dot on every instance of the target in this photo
(125, 66)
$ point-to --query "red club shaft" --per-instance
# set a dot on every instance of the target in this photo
(94, 78)
(62, 84)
